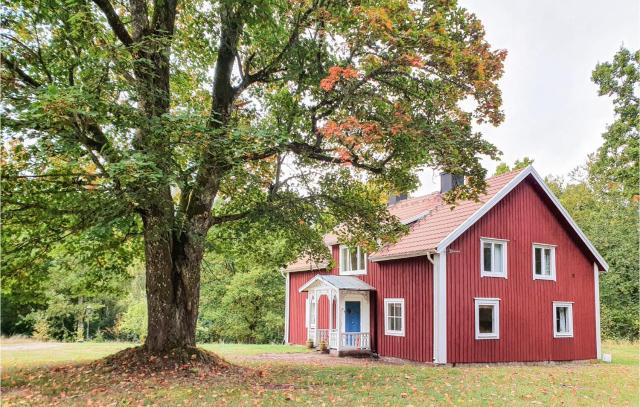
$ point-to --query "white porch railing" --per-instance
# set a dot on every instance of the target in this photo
(333, 339)
(355, 340)
(323, 335)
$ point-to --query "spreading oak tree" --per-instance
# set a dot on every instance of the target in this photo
(170, 118)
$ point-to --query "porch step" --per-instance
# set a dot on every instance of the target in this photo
(353, 353)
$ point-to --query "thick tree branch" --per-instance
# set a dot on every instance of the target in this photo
(37, 55)
(272, 66)
(216, 220)
(318, 154)
(114, 21)
(24, 77)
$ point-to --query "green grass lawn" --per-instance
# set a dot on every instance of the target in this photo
(32, 377)
(15, 354)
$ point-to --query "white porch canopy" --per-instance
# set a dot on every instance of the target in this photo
(339, 290)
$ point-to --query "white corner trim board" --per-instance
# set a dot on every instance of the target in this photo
(596, 283)
(287, 283)
(501, 194)
(440, 308)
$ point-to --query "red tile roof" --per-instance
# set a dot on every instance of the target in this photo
(434, 223)
(426, 233)
(430, 219)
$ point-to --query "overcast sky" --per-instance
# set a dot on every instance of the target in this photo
(553, 112)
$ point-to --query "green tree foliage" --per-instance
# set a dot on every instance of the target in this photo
(132, 322)
(610, 220)
(242, 294)
(617, 160)
(168, 119)
(603, 197)
(504, 168)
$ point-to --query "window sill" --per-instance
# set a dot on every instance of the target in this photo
(393, 333)
(484, 338)
(482, 274)
(353, 273)
(562, 336)
(544, 278)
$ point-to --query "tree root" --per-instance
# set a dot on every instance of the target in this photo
(184, 360)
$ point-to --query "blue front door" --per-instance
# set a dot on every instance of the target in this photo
(352, 316)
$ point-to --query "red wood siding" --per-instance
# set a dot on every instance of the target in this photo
(411, 279)
(297, 304)
(526, 321)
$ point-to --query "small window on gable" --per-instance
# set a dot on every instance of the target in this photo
(544, 262)
(394, 316)
(562, 319)
(493, 258)
(353, 260)
(487, 318)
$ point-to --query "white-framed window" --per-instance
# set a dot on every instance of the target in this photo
(544, 262)
(562, 319)
(394, 316)
(353, 261)
(493, 257)
(310, 312)
(487, 318)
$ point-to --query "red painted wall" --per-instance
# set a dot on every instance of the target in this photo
(297, 304)
(526, 320)
(411, 279)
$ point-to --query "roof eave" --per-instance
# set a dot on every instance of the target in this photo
(420, 253)
(442, 246)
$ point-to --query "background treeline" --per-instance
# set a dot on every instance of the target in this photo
(242, 294)
(91, 285)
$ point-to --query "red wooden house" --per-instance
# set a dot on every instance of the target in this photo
(509, 278)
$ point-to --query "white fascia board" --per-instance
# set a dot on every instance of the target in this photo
(483, 210)
(309, 283)
(419, 253)
(315, 279)
(309, 267)
(501, 194)
(569, 219)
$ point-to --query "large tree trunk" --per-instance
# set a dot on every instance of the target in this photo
(174, 252)
(173, 285)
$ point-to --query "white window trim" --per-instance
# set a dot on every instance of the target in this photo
(483, 273)
(388, 331)
(311, 300)
(495, 302)
(306, 311)
(569, 305)
(543, 246)
(359, 272)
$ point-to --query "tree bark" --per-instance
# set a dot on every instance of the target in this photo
(173, 284)
(174, 245)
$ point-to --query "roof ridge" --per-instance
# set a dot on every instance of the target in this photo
(413, 199)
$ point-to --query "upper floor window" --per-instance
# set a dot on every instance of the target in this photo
(353, 260)
(544, 262)
(562, 319)
(493, 258)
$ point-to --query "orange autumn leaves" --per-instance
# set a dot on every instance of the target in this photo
(356, 136)
(336, 73)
